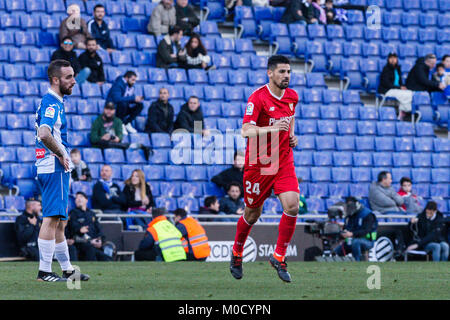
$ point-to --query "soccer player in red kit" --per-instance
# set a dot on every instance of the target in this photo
(269, 162)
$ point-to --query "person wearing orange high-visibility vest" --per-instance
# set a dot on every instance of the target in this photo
(195, 241)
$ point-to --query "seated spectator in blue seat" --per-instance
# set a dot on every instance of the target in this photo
(190, 117)
(106, 194)
(27, 227)
(186, 17)
(230, 5)
(107, 130)
(442, 76)
(294, 13)
(411, 204)
(196, 54)
(153, 247)
(81, 171)
(91, 60)
(128, 105)
(419, 76)
(211, 206)
(330, 11)
(233, 174)
(430, 233)
(163, 17)
(391, 85)
(87, 231)
(319, 12)
(382, 196)
(75, 27)
(139, 198)
(66, 52)
(160, 114)
(360, 229)
(194, 239)
(99, 29)
(232, 203)
(169, 53)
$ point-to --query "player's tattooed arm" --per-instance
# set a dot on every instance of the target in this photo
(251, 130)
(46, 137)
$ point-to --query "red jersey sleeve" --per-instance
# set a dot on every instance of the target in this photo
(253, 109)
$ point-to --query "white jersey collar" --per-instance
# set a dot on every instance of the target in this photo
(275, 96)
(55, 95)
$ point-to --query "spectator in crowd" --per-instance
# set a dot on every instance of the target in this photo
(441, 75)
(279, 3)
(194, 239)
(360, 229)
(310, 13)
(196, 55)
(27, 227)
(230, 5)
(106, 194)
(70, 238)
(235, 173)
(169, 53)
(411, 204)
(190, 113)
(75, 27)
(419, 76)
(160, 114)
(139, 198)
(431, 233)
(319, 12)
(81, 171)
(163, 17)
(106, 131)
(128, 105)
(99, 29)
(232, 203)
(187, 20)
(382, 196)
(66, 52)
(446, 62)
(92, 61)
(87, 231)
(162, 241)
(293, 13)
(331, 13)
(391, 85)
(211, 206)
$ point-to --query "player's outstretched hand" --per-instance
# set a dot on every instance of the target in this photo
(64, 162)
(282, 124)
(293, 141)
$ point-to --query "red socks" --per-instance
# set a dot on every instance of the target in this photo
(242, 232)
(286, 230)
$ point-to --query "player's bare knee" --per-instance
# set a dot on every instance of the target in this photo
(292, 209)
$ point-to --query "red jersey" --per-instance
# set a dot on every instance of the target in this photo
(263, 109)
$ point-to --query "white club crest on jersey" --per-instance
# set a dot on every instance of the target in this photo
(250, 200)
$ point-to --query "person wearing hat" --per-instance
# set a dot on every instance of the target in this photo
(85, 227)
(106, 131)
(391, 85)
(419, 78)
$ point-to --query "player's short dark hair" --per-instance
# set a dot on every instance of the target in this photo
(276, 60)
(210, 201)
(180, 212)
(81, 193)
(75, 150)
(431, 205)
(174, 29)
(129, 74)
(405, 179)
(99, 6)
(67, 38)
(193, 97)
(382, 175)
(440, 65)
(157, 212)
(445, 57)
(233, 184)
(54, 69)
(90, 39)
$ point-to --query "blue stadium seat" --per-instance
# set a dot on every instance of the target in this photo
(192, 189)
(348, 112)
(346, 127)
(209, 28)
(345, 143)
(135, 156)
(237, 77)
(22, 171)
(213, 93)
(398, 173)
(326, 127)
(423, 144)
(323, 158)
(439, 175)
(160, 140)
(92, 155)
(240, 61)
(218, 76)
(315, 80)
(439, 190)
(169, 203)
(114, 156)
(303, 158)
(177, 76)
(258, 62)
(315, 205)
(306, 142)
(403, 144)
(365, 143)
(338, 190)
(387, 114)
(362, 159)
(424, 130)
(401, 159)
(160, 156)
(196, 173)
(367, 128)
(351, 97)
(18, 55)
(386, 128)
(341, 174)
(353, 33)
(119, 58)
(7, 154)
(231, 110)
(318, 190)
(441, 160)
(427, 35)
(153, 172)
(361, 175)
(409, 35)
(173, 172)
(334, 32)
(421, 175)
(421, 160)
(29, 138)
(310, 112)
(316, 31)
(320, 174)
(405, 129)
(257, 78)
(233, 93)
(14, 202)
(197, 76)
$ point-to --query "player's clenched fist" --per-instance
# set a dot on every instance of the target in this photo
(293, 141)
(282, 124)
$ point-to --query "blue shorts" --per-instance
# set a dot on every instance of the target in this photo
(55, 194)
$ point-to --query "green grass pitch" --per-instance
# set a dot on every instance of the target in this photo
(211, 281)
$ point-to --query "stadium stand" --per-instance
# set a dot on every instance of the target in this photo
(343, 143)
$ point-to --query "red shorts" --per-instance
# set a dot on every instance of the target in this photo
(258, 187)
